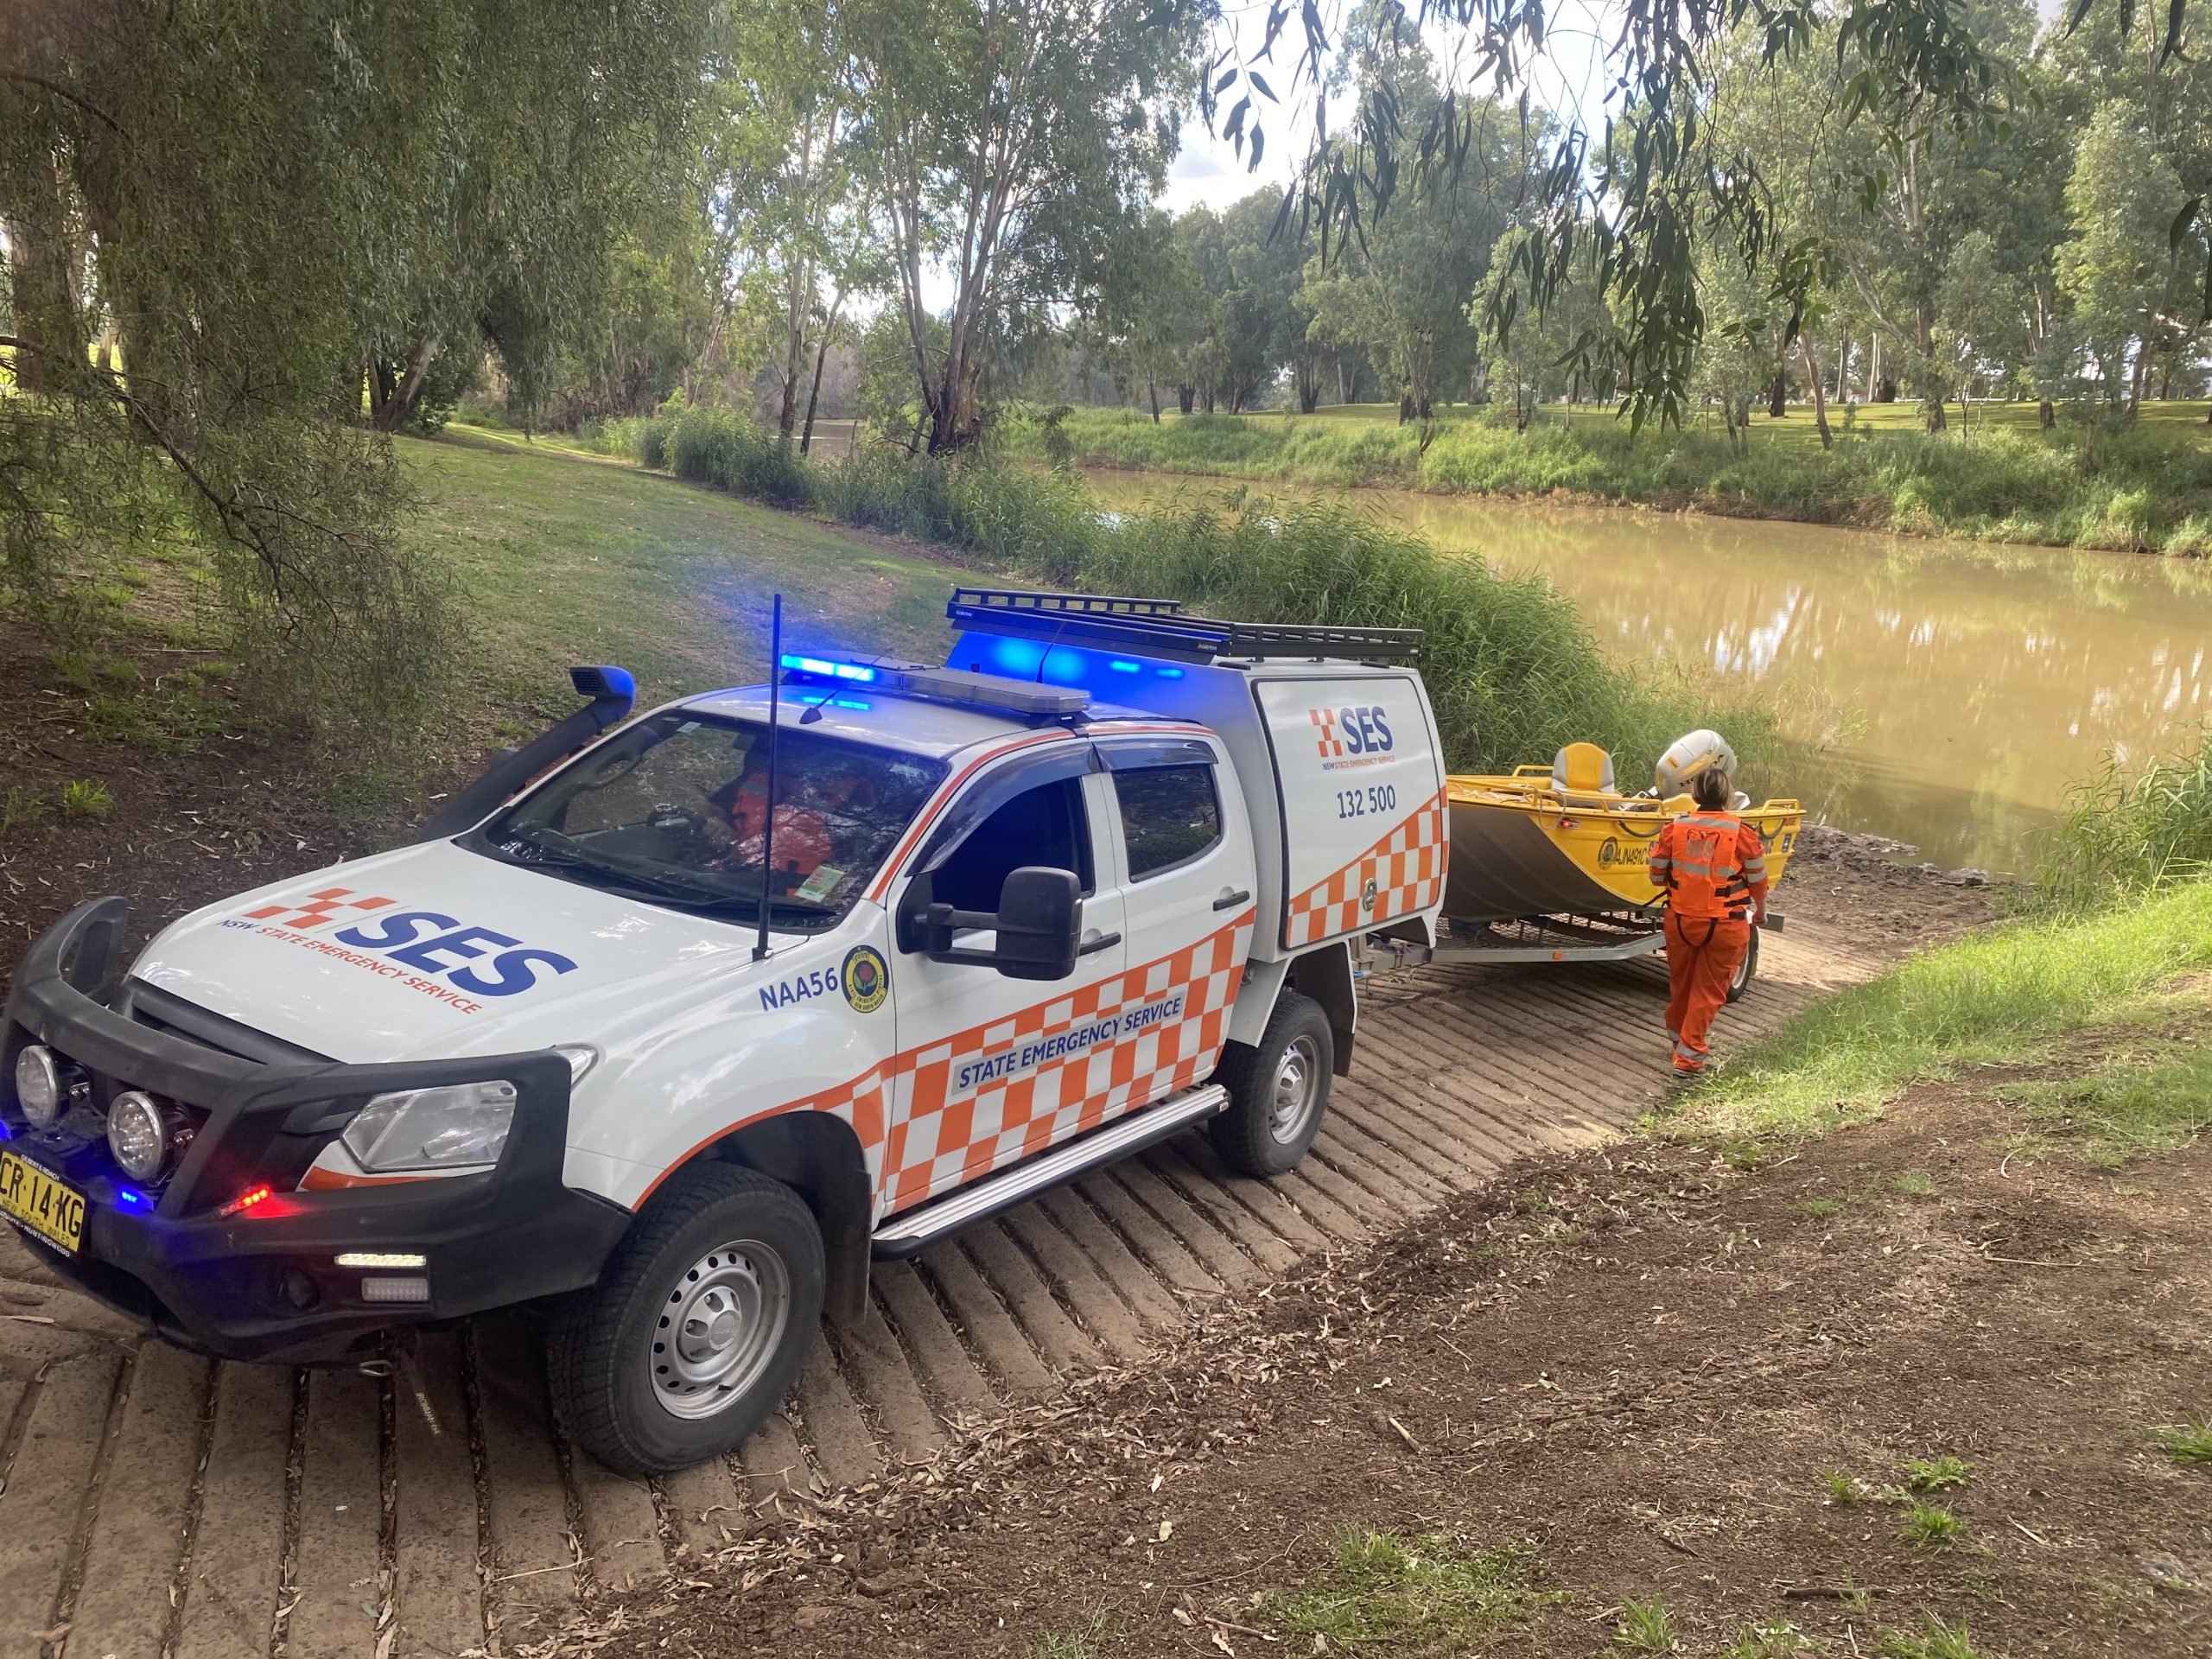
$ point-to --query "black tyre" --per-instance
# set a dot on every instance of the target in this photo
(1278, 1090)
(697, 1327)
(1745, 969)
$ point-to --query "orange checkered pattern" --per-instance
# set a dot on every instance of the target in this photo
(1405, 870)
(950, 1137)
(315, 909)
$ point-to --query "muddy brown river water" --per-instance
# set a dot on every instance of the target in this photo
(1957, 688)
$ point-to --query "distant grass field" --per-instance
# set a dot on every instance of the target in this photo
(2148, 487)
(561, 558)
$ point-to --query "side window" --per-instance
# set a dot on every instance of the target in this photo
(1168, 814)
(1044, 825)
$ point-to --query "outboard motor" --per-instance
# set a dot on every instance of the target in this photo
(1686, 756)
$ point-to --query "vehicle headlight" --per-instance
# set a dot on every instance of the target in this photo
(138, 1134)
(448, 1128)
(38, 1085)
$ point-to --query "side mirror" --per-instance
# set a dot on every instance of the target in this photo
(1039, 926)
(1041, 923)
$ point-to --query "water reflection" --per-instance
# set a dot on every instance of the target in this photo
(1961, 687)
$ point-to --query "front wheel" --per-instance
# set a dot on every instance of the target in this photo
(697, 1327)
(1278, 1090)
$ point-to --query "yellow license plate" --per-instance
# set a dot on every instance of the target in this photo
(51, 1208)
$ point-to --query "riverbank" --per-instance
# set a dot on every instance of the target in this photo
(1512, 668)
(2147, 489)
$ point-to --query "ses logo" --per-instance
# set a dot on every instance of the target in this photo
(1350, 737)
(477, 959)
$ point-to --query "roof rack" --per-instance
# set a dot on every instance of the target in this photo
(1158, 628)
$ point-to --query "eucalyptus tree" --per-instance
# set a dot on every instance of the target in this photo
(259, 210)
(1006, 140)
(1633, 213)
(2119, 269)
(1150, 310)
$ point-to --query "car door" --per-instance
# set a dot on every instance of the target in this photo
(993, 1068)
(1182, 856)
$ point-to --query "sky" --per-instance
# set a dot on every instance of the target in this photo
(1207, 172)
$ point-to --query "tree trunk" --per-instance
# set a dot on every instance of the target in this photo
(2046, 417)
(1186, 396)
(1777, 396)
(814, 392)
(1874, 367)
(1842, 365)
(404, 394)
(1152, 391)
(45, 294)
(2135, 377)
(1819, 398)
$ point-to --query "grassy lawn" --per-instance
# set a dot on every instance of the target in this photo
(562, 558)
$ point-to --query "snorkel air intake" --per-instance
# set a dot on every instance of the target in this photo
(613, 693)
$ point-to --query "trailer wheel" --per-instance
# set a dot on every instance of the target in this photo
(697, 1327)
(1278, 1090)
(1745, 969)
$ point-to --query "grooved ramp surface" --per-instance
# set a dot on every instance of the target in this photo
(156, 1504)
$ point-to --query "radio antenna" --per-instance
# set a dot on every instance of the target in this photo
(768, 810)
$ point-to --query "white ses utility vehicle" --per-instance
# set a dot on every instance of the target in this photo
(1094, 882)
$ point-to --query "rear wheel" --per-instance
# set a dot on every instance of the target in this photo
(697, 1327)
(1745, 969)
(1278, 1090)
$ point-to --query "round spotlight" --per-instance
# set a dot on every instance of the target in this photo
(38, 1085)
(138, 1135)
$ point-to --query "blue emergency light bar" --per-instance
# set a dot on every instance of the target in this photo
(994, 691)
(828, 670)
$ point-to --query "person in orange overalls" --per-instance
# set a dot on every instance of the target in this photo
(1713, 868)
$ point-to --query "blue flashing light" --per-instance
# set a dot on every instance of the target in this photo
(817, 699)
(823, 666)
(6, 1133)
(129, 1197)
(1122, 665)
(1169, 673)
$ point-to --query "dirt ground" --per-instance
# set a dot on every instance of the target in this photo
(184, 828)
(1640, 1361)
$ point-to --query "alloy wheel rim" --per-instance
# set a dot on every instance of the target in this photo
(719, 1329)
(1295, 1087)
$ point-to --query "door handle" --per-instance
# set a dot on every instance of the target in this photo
(1103, 942)
(1231, 900)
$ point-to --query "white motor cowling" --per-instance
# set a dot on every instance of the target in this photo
(1686, 756)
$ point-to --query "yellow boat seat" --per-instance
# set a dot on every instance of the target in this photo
(1582, 768)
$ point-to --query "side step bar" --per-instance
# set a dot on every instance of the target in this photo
(915, 1232)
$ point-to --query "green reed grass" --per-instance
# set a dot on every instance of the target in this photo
(1513, 670)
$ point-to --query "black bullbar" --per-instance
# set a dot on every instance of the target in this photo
(261, 1281)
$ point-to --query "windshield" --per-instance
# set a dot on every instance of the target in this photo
(674, 810)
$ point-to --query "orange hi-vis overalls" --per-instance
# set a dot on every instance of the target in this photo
(1713, 868)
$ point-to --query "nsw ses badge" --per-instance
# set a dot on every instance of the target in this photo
(866, 977)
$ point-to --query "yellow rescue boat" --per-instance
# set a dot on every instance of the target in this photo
(1562, 840)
